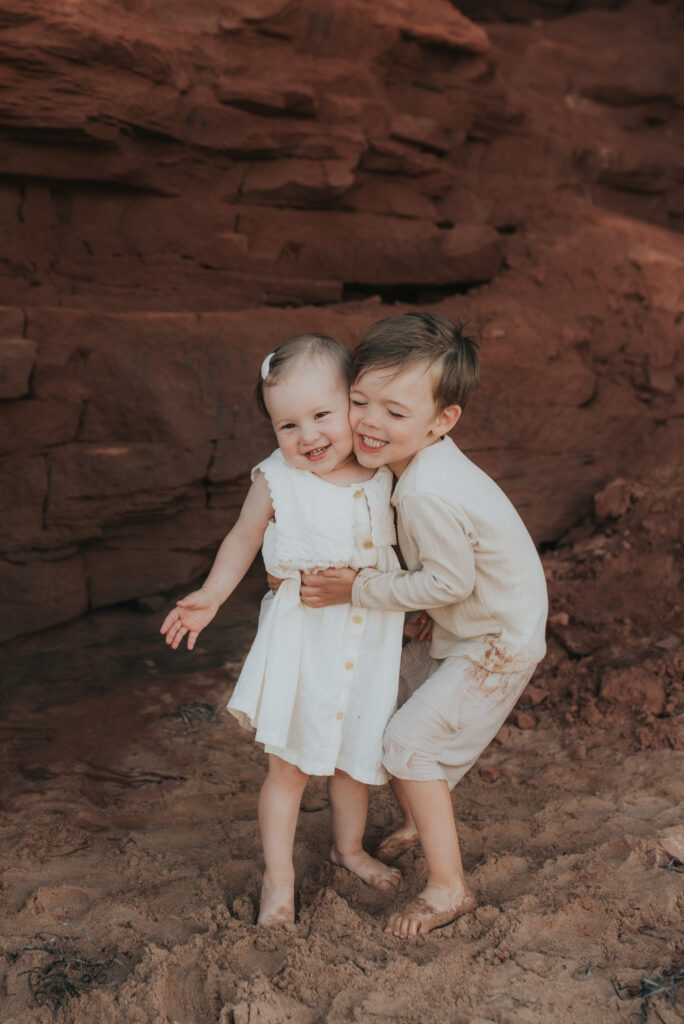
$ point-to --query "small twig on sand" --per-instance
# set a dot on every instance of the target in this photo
(665, 983)
(69, 971)
(193, 712)
(673, 865)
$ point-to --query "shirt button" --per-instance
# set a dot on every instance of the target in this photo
(357, 618)
(357, 494)
(349, 665)
(340, 715)
(368, 544)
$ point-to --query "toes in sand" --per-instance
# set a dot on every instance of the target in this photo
(371, 871)
(396, 843)
(435, 907)
(277, 903)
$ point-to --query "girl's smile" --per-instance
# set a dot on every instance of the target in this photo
(317, 453)
(309, 410)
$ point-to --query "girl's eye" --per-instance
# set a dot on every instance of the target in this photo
(320, 415)
(287, 426)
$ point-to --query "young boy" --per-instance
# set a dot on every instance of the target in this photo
(470, 562)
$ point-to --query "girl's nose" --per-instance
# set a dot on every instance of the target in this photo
(309, 434)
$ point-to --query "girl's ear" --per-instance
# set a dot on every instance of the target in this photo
(447, 420)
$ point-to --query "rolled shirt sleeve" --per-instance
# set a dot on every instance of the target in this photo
(439, 553)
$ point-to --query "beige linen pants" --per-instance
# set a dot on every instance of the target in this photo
(449, 712)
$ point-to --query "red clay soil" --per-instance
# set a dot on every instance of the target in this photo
(129, 832)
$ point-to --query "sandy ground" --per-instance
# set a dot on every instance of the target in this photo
(129, 832)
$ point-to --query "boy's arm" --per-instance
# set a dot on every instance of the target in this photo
(447, 573)
(195, 611)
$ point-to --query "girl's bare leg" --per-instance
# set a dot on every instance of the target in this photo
(404, 837)
(279, 800)
(446, 895)
(349, 809)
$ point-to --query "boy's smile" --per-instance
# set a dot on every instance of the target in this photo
(393, 416)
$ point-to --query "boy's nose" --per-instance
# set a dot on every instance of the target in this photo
(368, 419)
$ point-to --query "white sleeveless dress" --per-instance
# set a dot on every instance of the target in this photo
(319, 684)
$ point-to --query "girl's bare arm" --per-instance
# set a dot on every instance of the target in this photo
(195, 611)
(240, 547)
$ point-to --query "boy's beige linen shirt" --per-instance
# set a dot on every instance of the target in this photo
(471, 564)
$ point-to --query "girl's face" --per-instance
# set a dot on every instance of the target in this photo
(309, 410)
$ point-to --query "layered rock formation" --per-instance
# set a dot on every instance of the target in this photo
(182, 186)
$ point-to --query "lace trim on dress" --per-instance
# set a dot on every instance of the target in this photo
(314, 519)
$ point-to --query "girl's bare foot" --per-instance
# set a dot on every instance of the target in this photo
(277, 903)
(371, 871)
(396, 843)
(436, 906)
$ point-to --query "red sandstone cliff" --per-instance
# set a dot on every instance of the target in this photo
(182, 186)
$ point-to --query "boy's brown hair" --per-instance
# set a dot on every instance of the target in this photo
(398, 342)
(311, 345)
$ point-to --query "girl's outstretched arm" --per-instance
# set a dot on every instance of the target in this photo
(237, 552)
(240, 547)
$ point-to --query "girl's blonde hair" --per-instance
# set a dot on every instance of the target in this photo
(313, 346)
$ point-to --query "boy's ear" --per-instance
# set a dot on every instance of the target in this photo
(447, 420)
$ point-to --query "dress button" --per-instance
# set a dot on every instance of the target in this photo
(357, 494)
(357, 618)
(368, 544)
(349, 665)
(340, 715)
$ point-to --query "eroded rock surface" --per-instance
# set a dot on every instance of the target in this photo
(183, 186)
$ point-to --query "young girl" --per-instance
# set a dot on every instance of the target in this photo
(319, 684)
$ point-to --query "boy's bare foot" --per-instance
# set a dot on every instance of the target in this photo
(371, 871)
(277, 903)
(396, 843)
(436, 906)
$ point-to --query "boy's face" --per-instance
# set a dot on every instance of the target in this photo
(393, 416)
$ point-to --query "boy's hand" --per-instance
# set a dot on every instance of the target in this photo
(331, 586)
(189, 618)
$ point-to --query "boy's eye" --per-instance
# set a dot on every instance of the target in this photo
(357, 401)
(396, 415)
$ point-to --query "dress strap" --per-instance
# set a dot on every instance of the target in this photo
(378, 493)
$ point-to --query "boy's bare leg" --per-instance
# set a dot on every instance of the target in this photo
(279, 800)
(446, 895)
(349, 809)
(404, 837)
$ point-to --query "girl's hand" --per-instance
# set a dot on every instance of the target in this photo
(424, 627)
(331, 586)
(189, 618)
(273, 583)
(418, 627)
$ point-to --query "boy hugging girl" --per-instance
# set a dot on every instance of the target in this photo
(359, 442)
